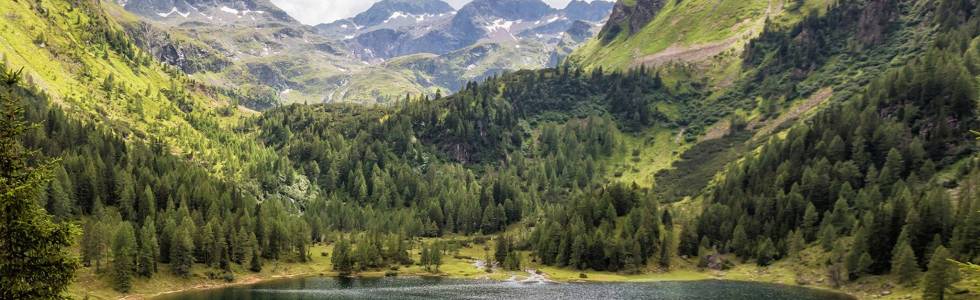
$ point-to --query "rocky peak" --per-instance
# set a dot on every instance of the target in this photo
(387, 9)
(211, 11)
(629, 18)
(588, 11)
(505, 9)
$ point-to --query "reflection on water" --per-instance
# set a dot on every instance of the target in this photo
(440, 288)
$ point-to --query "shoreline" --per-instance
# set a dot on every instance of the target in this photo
(542, 278)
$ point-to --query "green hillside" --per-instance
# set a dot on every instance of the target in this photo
(829, 146)
(687, 31)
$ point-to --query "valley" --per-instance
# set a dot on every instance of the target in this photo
(155, 146)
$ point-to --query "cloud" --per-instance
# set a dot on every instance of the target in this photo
(312, 12)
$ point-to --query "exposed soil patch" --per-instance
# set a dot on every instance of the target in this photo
(769, 126)
(686, 54)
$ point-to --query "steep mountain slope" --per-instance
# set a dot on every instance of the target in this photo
(92, 69)
(254, 47)
(682, 30)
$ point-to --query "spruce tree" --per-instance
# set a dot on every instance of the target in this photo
(435, 254)
(255, 264)
(182, 251)
(123, 257)
(341, 257)
(149, 250)
(939, 275)
(35, 261)
(904, 263)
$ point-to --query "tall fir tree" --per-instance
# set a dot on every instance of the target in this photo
(35, 262)
(123, 257)
(149, 250)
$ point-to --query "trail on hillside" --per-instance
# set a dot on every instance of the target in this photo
(686, 54)
(767, 127)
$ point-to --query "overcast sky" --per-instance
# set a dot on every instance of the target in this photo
(312, 12)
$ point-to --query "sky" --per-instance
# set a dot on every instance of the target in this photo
(312, 12)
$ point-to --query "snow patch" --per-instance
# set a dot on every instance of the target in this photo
(499, 24)
(398, 15)
(229, 10)
(172, 11)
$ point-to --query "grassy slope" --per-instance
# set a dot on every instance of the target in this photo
(688, 23)
(71, 69)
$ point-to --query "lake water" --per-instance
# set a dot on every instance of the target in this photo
(441, 288)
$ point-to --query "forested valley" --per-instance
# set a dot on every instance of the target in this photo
(883, 178)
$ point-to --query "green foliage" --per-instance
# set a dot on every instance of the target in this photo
(341, 258)
(149, 250)
(35, 262)
(865, 164)
(124, 250)
(940, 274)
(904, 263)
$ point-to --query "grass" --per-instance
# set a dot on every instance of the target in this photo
(645, 154)
(692, 22)
(806, 271)
(71, 70)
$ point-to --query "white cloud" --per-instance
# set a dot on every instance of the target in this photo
(314, 12)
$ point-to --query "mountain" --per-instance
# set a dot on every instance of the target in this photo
(255, 47)
(391, 10)
(209, 11)
(435, 30)
(834, 146)
(656, 32)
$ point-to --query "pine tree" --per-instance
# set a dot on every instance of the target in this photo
(435, 258)
(34, 258)
(341, 257)
(425, 258)
(512, 261)
(126, 196)
(255, 264)
(147, 205)
(795, 244)
(904, 263)
(766, 252)
(938, 276)
(810, 219)
(123, 257)
(827, 237)
(182, 251)
(149, 250)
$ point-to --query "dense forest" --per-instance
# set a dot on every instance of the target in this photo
(884, 177)
(862, 176)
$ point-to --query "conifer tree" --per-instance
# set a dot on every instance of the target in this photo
(939, 276)
(904, 263)
(123, 257)
(341, 257)
(255, 264)
(149, 250)
(34, 257)
(182, 251)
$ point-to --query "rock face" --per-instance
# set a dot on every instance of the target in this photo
(386, 10)
(189, 57)
(393, 48)
(220, 11)
(392, 28)
(629, 18)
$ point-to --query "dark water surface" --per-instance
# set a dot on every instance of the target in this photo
(441, 288)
